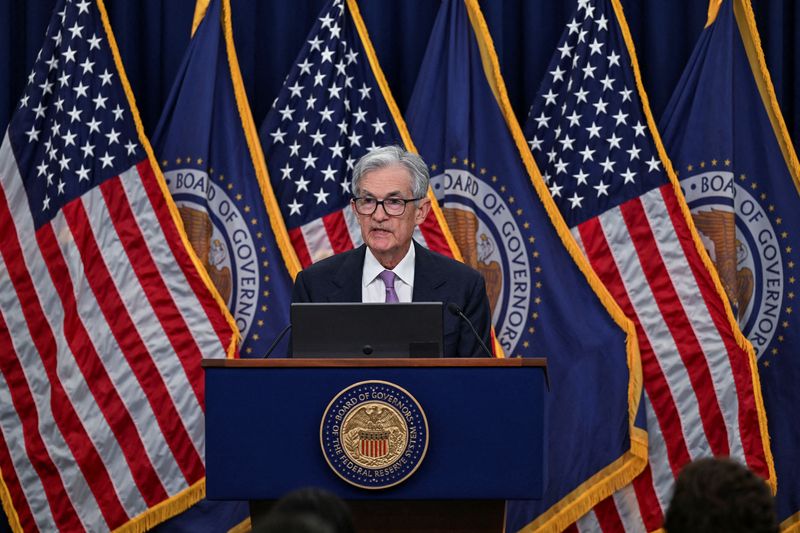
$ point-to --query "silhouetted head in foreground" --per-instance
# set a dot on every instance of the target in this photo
(308, 510)
(715, 495)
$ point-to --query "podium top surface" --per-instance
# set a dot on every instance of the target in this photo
(453, 362)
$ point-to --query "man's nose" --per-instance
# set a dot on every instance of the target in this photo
(380, 212)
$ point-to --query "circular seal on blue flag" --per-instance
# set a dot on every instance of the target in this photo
(374, 434)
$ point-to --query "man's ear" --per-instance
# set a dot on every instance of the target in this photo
(421, 213)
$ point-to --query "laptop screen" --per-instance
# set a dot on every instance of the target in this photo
(367, 329)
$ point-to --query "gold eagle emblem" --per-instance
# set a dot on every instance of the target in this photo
(199, 229)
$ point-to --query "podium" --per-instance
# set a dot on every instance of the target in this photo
(273, 426)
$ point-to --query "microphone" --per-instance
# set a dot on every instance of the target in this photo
(277, 340)
(456, 311)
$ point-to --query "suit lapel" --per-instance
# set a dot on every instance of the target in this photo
(429, 280)
(347, 281)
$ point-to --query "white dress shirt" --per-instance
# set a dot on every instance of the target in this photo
(373, 289)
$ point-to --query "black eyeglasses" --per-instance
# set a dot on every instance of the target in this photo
(366, 205)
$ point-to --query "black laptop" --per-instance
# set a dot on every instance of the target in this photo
(367, 329)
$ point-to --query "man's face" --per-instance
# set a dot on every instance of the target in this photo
(389, 237)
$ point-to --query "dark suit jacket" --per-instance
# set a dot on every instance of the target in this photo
(436, 279)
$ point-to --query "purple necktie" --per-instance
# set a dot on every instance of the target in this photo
(388, 277)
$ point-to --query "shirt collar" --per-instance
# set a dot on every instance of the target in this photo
(404, 269)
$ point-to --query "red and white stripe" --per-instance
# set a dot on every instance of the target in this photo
(339, 232)
(698, 381)
(103, 323)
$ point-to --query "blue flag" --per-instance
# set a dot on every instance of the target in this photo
(545, 299)
(725, 134)
(208, 148)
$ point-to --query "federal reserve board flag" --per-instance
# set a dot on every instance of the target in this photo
(333, 107)
(208, 148)
(593, 136)
(545, 299)
(739, 172)
(104, 313)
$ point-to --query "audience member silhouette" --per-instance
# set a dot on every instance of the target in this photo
(308, 510)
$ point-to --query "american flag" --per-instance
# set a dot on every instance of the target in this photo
(592, 136)
(333, 107)
(103, 316)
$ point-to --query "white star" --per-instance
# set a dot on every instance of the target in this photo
(286, 113)
(364, 91)
(24, 101)
(542, 120)
(326, 20)
(113, 137)
(620, 118)
(309, 160)
(566, 50)
(296, 89)
(351, 56)
(47, 87)
(581, 177)
(581, 95)
(601, 189)
(326, 114)
(333, 92)
(76, 30)
(64, 79)
(555, 189)
(315, 43)
(378, 126)
(305, 66)
(566, 143)
(607, 82)
(39, 110)
(573, 26)
(550, 97)
(94, 42)
(613, 59)
(558, 74)
(294, 207)
(613, 141)
(310, 102)
(336, 150)
(46, 203)
(600, 106)
(595, 46)
(608, 165)
(69, 54)
(318, 137)
(551, 155)
(302, 125)
(277, 136)
(83, 6)
(99, 101)
(574, 119)
(589, 11)
(335, 31)
(594, 130)
(535, 143)
(80, 90)
(286, 172)
(302, 184)
(107, 159)
(327, 55)
(94, 125)
(342, 125)
(355, 139)
(360, 115)
(321, 196)
(329, 173)
(602, 23)
(52, 63)
(588, 71)
(626, 94)
(319, 78)
(33, 134)
(575, 200)
(341, 68)
(87, 149)
(61, 187)
(294, 149)
(117, 111)
(582, 36)
(131, 147)
(64, 162)
(87, 66)
(345, 186)
(69, 139)
(628, 175)
(634, 152)
(561, 166)
(653, 164)
(639, 128)
(74, 114)
(42, 169)
(587, 154)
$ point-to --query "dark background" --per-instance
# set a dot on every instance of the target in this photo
(153, 34)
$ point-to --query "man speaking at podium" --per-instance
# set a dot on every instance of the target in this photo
(390, 188)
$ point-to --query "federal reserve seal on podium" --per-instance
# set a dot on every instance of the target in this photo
(374, 434)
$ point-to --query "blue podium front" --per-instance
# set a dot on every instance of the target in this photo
(273, 426)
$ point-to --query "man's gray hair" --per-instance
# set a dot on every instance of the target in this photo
(387, 156)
